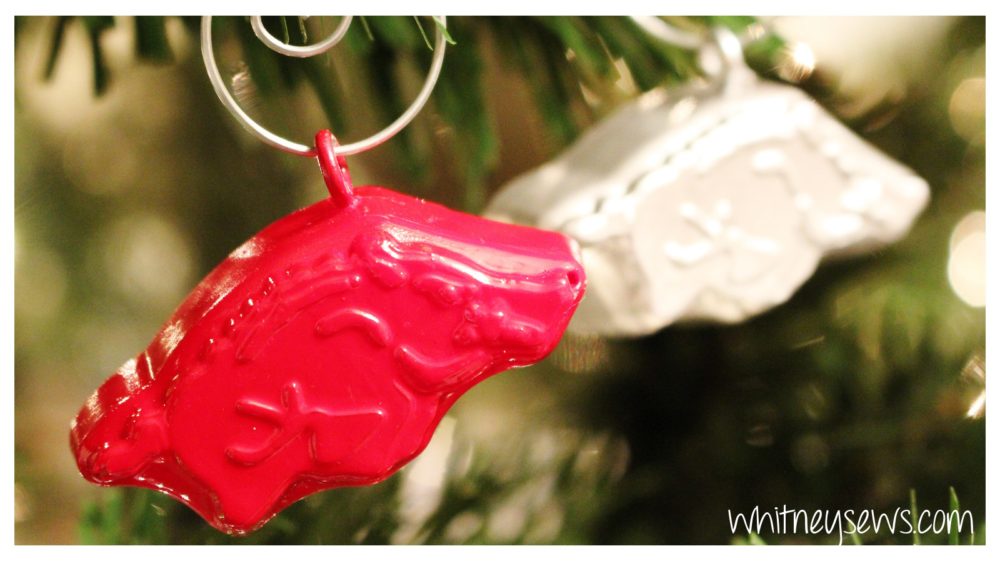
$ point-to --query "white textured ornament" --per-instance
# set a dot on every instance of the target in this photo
(715, 202)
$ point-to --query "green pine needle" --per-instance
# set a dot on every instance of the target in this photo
(423, 34)
(440, 25)
(303, 31)
(151, 39)
(366, 27)
(55, 45)
(444, 30)
(855, 539)
(284, 29)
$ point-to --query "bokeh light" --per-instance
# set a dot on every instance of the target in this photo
(798, 61)
(41, 282)
(147, 259)
(967, 110)
(967, 259)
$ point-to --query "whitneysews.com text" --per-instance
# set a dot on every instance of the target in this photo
(847, 522)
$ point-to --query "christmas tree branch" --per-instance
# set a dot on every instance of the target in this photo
(557, 56)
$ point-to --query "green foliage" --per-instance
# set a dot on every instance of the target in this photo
(561, 54)
(561, 481)
(953, 507)
(151, 39)
(913, 515)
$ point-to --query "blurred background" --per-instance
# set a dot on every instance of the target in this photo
(864, 390)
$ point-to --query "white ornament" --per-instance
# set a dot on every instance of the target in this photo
(715, 202)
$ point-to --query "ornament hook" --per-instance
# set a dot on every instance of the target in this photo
(299, 51)
(334, 168)
(720, 51)
(722, 60)
(282, 143)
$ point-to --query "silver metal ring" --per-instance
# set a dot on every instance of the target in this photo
(299, 51)
(281, 143)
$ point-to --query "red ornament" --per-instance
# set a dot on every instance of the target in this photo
(323, 351)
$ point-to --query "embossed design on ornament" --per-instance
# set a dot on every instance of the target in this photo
(294, 418)
(721, 236)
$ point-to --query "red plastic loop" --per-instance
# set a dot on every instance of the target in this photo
(334, 168)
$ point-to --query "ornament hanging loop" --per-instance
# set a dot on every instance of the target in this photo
(282, 143)
(299, 51)
(334, 168)
(723, 62)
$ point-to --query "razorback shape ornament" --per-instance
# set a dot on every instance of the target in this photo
(712, 202)
(323, 351)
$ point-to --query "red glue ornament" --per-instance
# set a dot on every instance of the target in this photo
(324, 351)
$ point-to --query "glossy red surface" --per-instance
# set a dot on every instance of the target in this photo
(324, 351)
